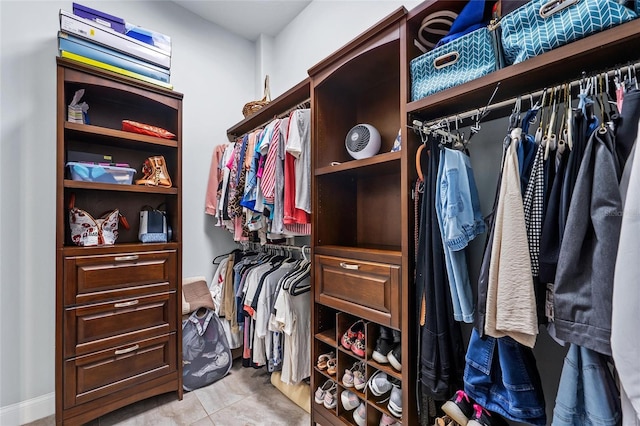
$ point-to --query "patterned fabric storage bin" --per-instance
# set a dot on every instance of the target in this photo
(542, 25)
(459, 61)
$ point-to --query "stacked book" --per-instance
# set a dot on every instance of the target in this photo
(108, 42)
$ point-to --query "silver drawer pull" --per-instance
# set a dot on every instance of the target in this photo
(126, 258)
(349, 266)
(126, 351)
(126, 304)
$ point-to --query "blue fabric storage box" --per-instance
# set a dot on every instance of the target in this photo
(104, 19)
(87, 172)
(543, 25)
(464, 59)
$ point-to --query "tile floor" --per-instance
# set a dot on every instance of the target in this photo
(244, 397)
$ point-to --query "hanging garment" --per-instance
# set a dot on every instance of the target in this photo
(627, 129)
(215, 180)
(587, 394)
(584, 279)
(501, 375)
(625, 334)
(441, 347)
(533, 218)
(457, 208)
(483, 277)
(511, 304)
(292, 314)
(277, 224)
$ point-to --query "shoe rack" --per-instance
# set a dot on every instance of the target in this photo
(333, 325)
(118, 338)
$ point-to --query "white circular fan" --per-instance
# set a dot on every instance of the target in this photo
(362, 141)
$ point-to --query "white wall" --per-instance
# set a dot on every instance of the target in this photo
(215, 71)
(319, 30)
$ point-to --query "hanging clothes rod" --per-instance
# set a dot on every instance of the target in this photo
(301, 105)
(261, 247)
(421, 126)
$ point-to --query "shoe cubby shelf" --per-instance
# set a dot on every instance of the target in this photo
(329, 341)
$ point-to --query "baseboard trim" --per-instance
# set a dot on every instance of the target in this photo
(28, 411)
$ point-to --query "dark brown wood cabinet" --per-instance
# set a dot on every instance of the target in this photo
(118, 338)
(360, 236)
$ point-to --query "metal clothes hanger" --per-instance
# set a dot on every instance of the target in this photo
(549, 140)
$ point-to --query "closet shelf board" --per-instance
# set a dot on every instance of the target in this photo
(117, 248)
(113, 136)
(118, 81)
(382, 406)
(591, 54)
(288, 100)
(76, 184)
(385, 163)
(386, 368)
(392, 255)
(328, 337)
(325, 374)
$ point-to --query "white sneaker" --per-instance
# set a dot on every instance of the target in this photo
(349, 400)
(360, 415)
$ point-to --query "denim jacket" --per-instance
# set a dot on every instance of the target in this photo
(462, 219)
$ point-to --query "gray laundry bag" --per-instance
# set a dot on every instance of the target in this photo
(206, 356)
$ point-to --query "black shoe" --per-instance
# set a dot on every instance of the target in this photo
(483, 417)
(460, 408)
(396, 336)
(395, 357)
(384, 345)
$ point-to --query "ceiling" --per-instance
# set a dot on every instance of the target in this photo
(247, 18)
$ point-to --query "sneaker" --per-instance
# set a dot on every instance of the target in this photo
(483, 417)
(322, 391)
(384, 345)
(358, 347)
(395, 401)
(387, 420)
(395, 357)
(379, 383)
(459, 408)
(360, 415)
(348, 379)
(349, 336)
(330, 398)
(349, 400)
(360, 379)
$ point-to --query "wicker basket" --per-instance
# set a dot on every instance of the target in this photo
(252, 107)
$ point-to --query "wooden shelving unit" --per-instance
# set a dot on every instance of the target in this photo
(118, 338)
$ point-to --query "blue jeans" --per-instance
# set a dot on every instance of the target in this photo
(460, 219)
(501, 375)
(587, 394)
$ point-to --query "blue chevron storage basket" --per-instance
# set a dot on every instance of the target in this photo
(463, 59)
(542, 25)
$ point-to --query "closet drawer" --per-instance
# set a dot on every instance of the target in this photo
(123, 275)
(103, 373)
(105, 325)
(366, 289)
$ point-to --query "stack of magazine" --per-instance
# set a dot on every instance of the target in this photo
(108, 42)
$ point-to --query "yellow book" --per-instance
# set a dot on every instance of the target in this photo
(112, 68)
